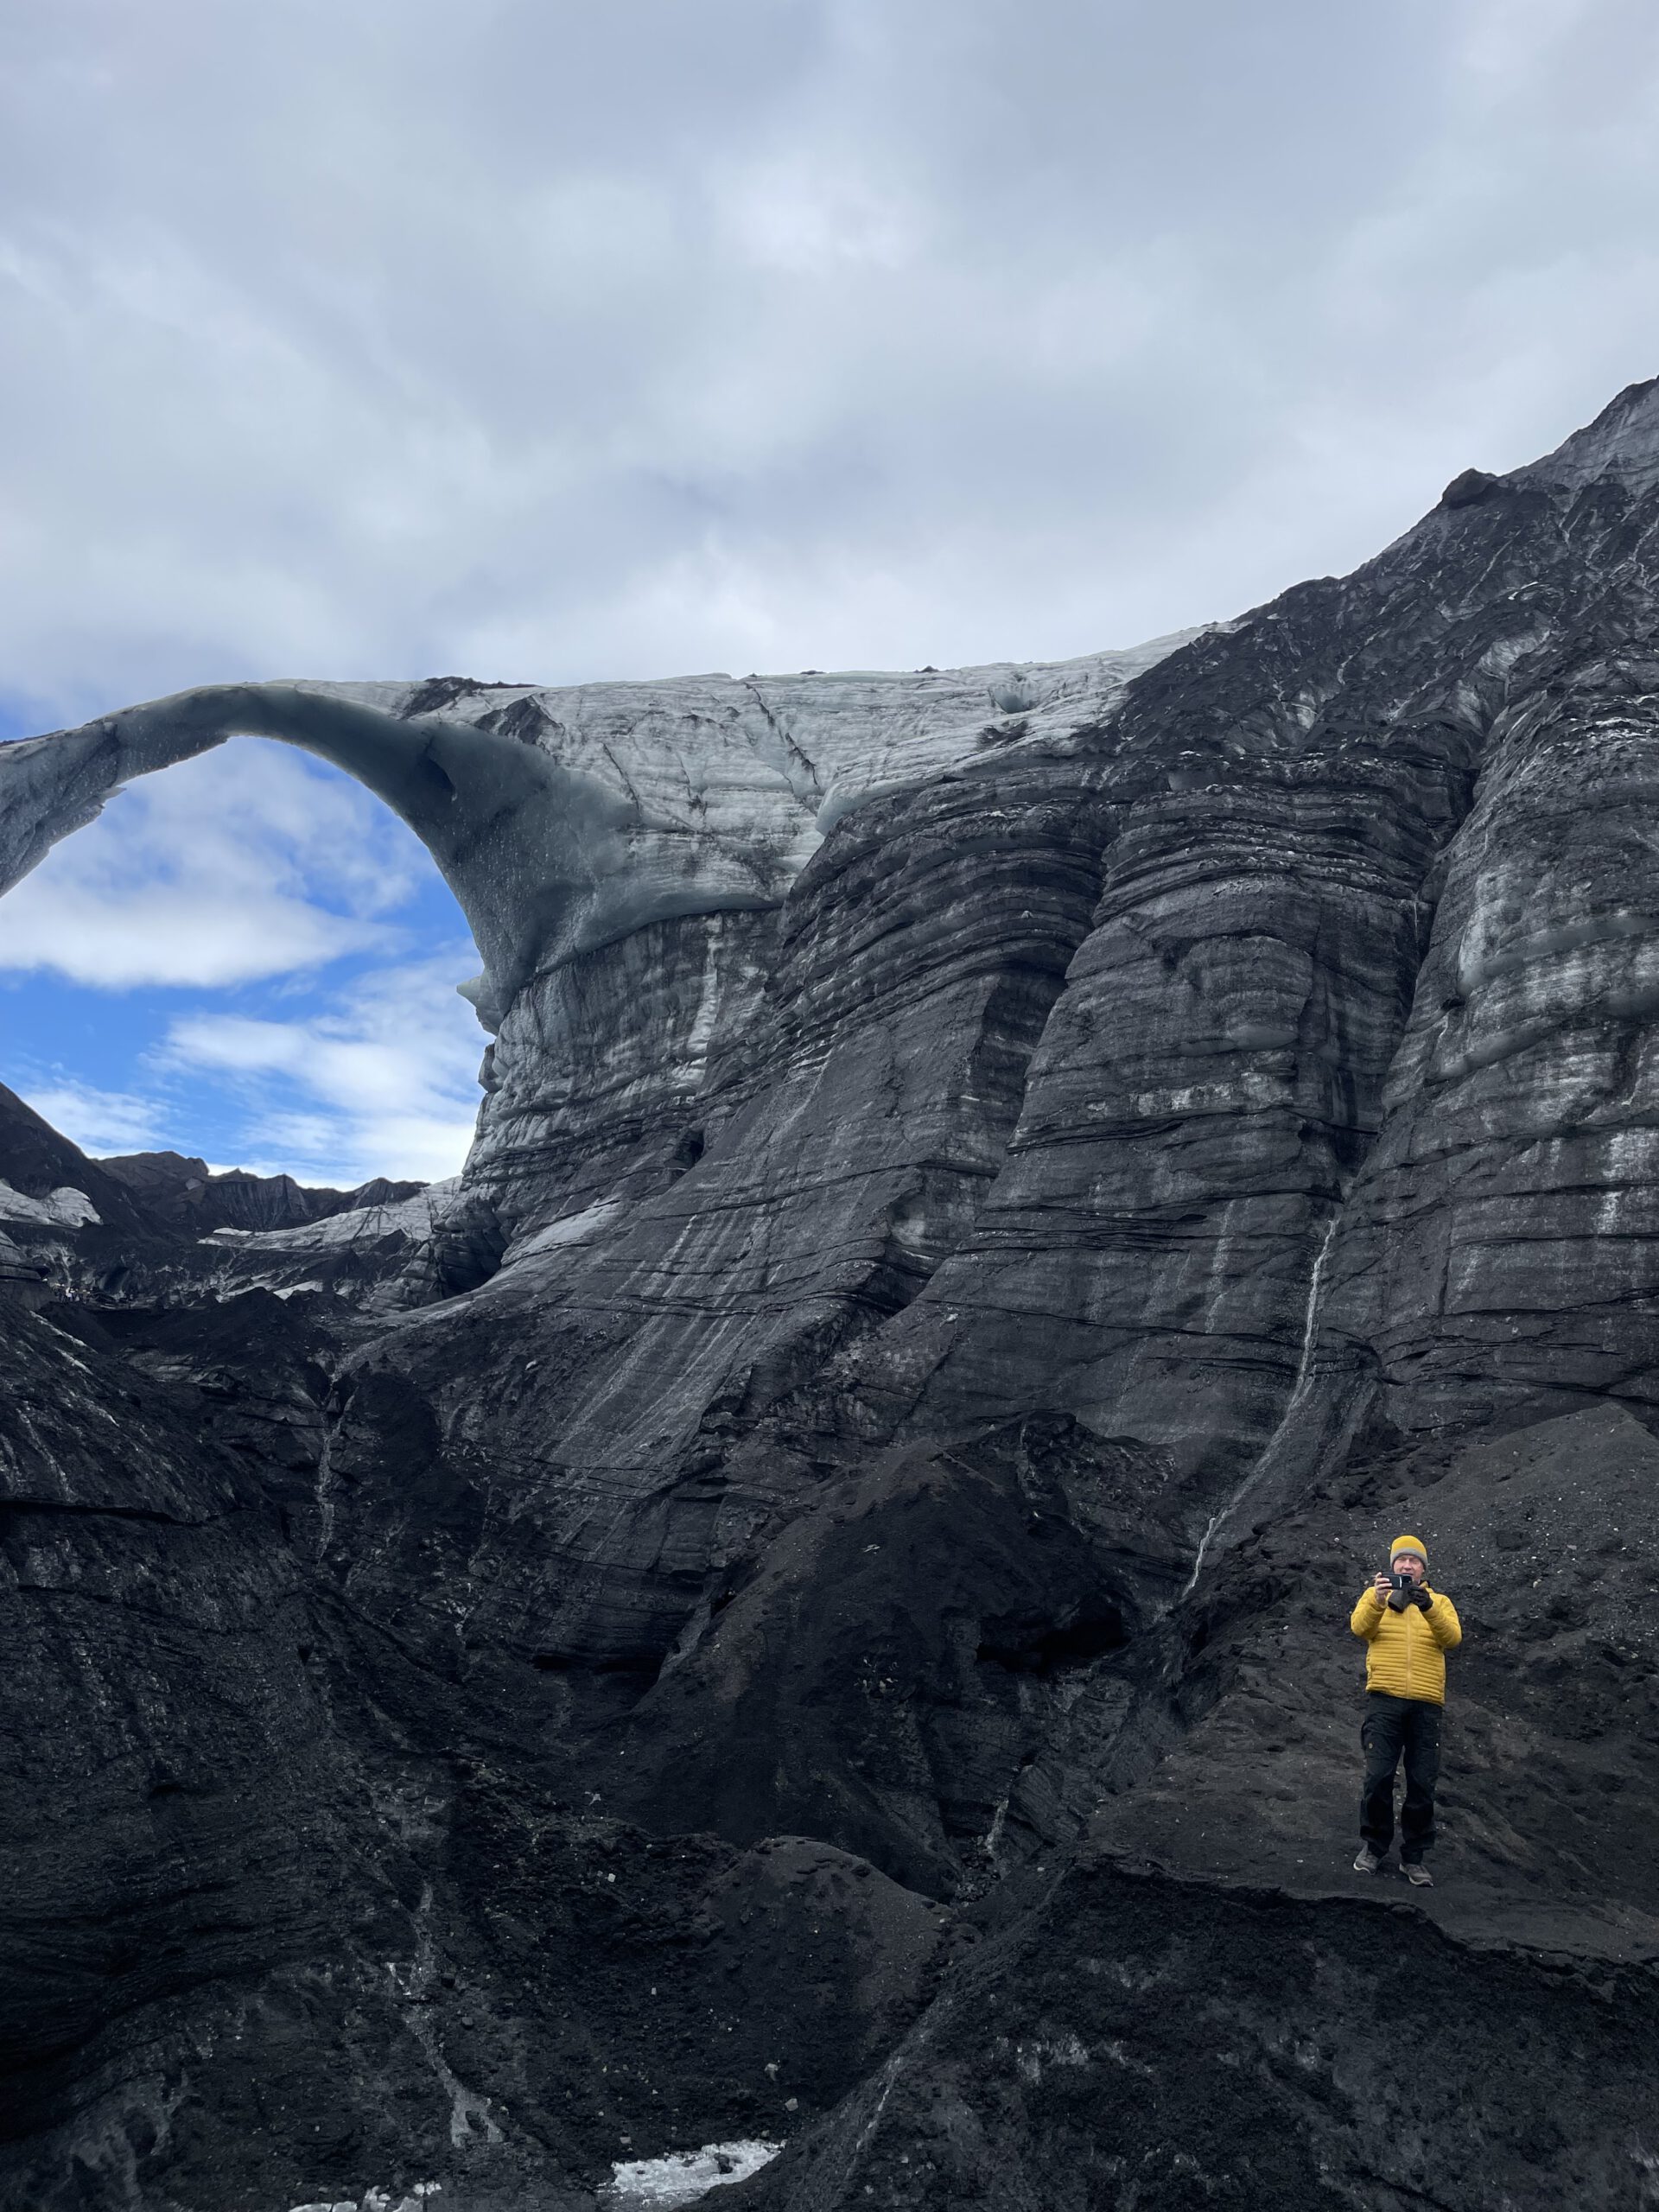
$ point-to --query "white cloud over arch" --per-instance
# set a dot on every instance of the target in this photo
(553, 340)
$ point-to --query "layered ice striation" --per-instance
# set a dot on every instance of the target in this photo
(1233, 1108)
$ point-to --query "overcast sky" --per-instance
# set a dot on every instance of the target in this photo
(531, 340)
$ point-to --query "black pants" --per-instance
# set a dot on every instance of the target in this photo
(1394, 1724)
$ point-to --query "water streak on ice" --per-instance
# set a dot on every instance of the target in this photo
(469, 2113)
(1304, 1377)
(326, 1488)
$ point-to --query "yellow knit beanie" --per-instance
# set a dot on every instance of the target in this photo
(1407, 1544)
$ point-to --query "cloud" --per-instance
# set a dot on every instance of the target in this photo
(247, 958)
(380, 1083)
(560, 341)
(245, 863)
(547, 341)
(99, 1121)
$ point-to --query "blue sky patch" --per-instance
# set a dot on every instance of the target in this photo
(247, 958)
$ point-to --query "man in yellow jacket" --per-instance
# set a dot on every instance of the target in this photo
(1407, 1630)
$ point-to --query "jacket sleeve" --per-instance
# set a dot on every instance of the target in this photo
(1368, 1616)
(1443, 1623)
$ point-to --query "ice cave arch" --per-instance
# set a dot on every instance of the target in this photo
(564, 819)
(537, 854)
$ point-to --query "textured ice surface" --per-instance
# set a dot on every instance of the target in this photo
(413, 1217)
(574, 1229)
(683, 2177)
(62, 1209)
(1622, 442)
(564, 819)
(703, 753)
(363, 1254)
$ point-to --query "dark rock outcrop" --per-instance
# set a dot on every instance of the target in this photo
(806, 1595)
(36, 1162)
(1466, 489)
(188, 1194)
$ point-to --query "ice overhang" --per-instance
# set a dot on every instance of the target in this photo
(563, 819)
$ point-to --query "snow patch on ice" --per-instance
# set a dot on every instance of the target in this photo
(683, 2177)
(413, 1217)
(64, 1208)
(419, 2199)
(1030, 2059)
(1253, 1092)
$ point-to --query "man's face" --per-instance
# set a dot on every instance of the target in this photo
(1408, 1563)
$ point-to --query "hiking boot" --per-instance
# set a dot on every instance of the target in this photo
(1417, 1874)
(1368, 1859)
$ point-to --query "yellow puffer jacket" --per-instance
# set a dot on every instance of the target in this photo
(1405, 1653)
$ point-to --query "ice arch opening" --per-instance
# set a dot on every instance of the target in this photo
(564, 819)
(535, 854)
